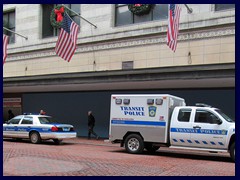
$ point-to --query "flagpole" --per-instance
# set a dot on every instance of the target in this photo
(16, 33)
(78, 14)
(190, 10)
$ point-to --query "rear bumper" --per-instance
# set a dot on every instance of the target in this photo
(55, 135)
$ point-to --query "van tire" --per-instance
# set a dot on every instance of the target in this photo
(232, 151)
(134, 144)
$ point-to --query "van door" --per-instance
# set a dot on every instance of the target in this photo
(181, 127)
(208, 133)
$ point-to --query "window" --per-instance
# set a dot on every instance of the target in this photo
(126, 101)
(46, 120)
(118, 101)
(184, 115)
(27, 120)
(220, 7)
(150, 101)
(159, 101)
(47, 29)
(124, 16)
(203, 116)
(126, 65)
(15, 120)
(9, 22)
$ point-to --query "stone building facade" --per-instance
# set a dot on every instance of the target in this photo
(128, 58)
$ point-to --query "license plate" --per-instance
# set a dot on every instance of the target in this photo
(66, 129)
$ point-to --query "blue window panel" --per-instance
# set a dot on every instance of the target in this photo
(182, 140)
(204, 142)
(196, 141)
(220, 143)
(213, 143)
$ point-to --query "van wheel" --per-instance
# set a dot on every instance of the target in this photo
(35, 137)
(232, 151)
(150, 148)
(134, 144)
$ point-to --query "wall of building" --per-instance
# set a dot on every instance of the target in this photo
(72, 107)
(206, 37)
(204, 51)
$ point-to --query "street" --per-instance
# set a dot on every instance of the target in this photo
(82, 157)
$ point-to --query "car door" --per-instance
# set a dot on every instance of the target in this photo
(25, 126)
(208, 133)
(11, 128)
(181, 128)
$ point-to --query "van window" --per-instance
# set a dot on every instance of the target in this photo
(203, 116)
(150, 101)
(126, 101)
(184, 115)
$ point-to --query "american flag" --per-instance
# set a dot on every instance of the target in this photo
(173, 25)
(5, 43)
(67, 39)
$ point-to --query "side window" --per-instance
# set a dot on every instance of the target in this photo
(220, 7)
(123, 16)
(27, 120)
(47, 29)
(9, 22)
(184, 115)
(203, 116)
(15, 120)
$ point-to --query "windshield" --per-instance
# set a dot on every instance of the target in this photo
(46, 120)
(225, 116)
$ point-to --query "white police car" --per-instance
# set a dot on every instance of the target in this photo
(37, 128)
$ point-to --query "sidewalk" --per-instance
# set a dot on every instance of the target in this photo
(83, 157)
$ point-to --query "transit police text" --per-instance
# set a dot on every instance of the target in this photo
(132, 111)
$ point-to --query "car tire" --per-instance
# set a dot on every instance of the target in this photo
(134, 144)
(57, 141)
(232, 151)
(35, 138)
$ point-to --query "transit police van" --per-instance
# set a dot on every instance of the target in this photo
(141, 122)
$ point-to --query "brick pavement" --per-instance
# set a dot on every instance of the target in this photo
(82, 157)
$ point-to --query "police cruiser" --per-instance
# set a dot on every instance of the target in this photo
(148, 122)
(37, 128)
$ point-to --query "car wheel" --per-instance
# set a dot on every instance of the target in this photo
(35, 137)
(232, 151)
(134, 144)
(57, 141)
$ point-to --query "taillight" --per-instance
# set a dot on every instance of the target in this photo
(54, 128)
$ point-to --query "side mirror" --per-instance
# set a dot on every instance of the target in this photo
(216, 121)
